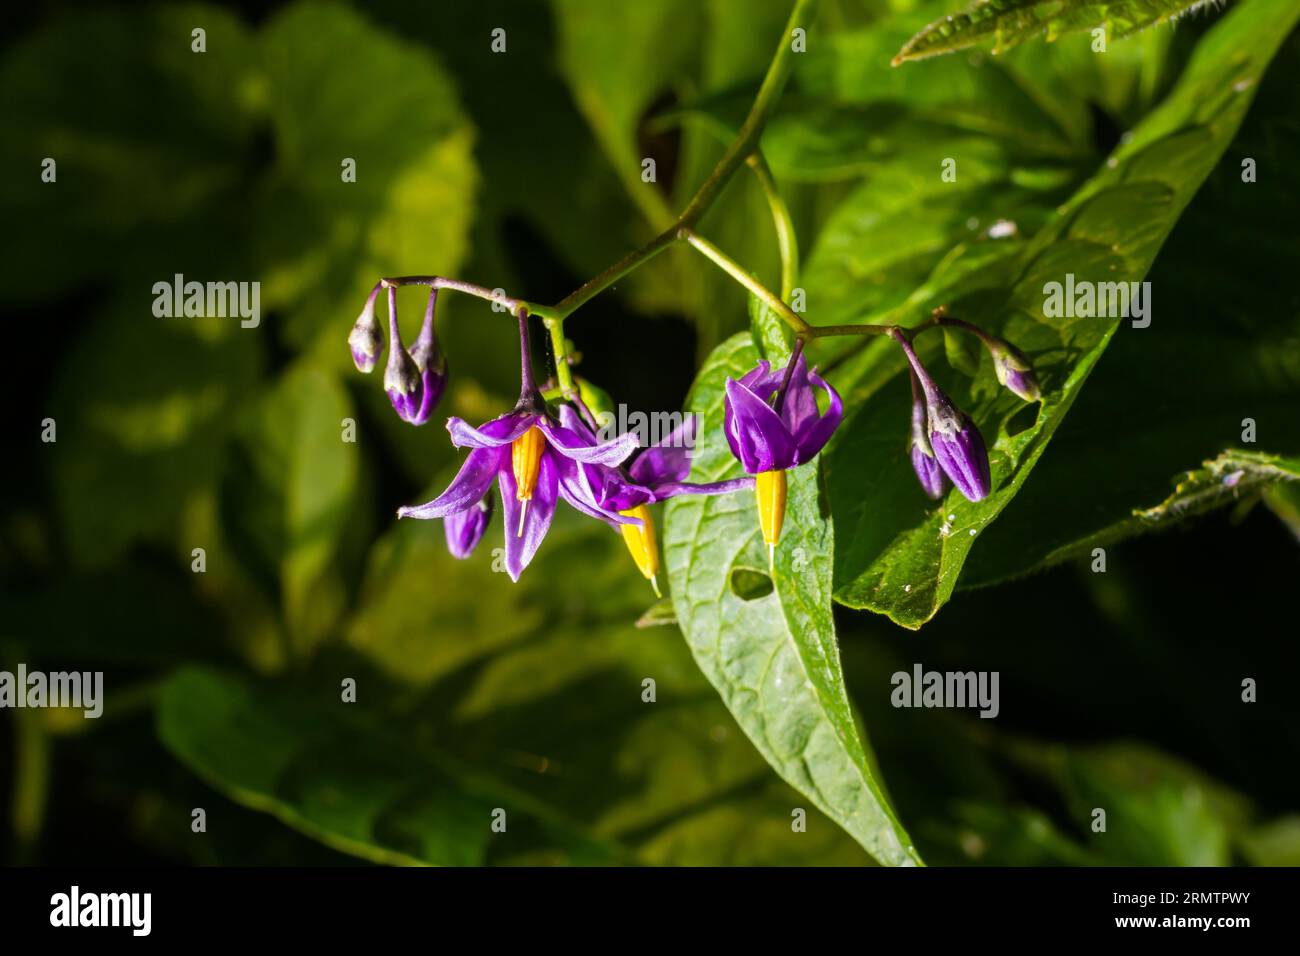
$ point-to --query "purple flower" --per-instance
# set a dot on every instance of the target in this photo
(464, 529)
(954, 439)
(403, 380)
(928, 472)
(428, 358)
(366, 340)
(764, 438)
(772, 423)
(534, 461)
(657, 473)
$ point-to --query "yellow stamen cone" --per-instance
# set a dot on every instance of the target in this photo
(525, 460)
(770, 490)
(641, 544)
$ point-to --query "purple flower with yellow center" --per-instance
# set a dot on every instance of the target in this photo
(656, 474)
(957, 444)
(534, 460)
(772, 423)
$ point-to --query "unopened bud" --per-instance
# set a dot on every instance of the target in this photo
(366, 339)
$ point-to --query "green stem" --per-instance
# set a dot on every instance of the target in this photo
(742, 149)
(737, 272)
(513, 306)
(560, 349)
(745, 143)
(786, 240)
(593, 287)
(819, 331)
(778, 71)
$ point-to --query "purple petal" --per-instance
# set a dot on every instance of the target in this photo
(574, 445)
(435, 383)
(571, 420)
(799, 409)
(673, 488)
(762, 380)
(470, 484)
(928, 472)
(494, 434)
(962, 455)
(522, 545)
(578, 492)
(465, 528)
(756, 433)
(658, 464)
(819, 432)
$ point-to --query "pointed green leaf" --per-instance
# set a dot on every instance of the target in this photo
(893, 555)
(1010, 22)
(771, 651)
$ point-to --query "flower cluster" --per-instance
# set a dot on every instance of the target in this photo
(541, 453)
(946, 446)
(538, 457)
(415, 379)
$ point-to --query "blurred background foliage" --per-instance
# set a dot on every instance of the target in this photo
(522, 170)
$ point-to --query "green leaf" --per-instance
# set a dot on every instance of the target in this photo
(157, 118)
(616, 78)
(1274, 844)
(1224, 348)
(658, 614)
(341, 88)
(498, 665)
(145, 434)
(1160, 811)
(343, 778)
(1284, 501)
(774, 659)
(963, 351)
(772, 336)
(1232, 475)
(994, 98)
(1010, 22)
(893, 556)
(290, 492)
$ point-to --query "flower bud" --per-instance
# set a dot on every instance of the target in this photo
(366, 339)
(933, 481)
(954, 439)
(1014, 370)
(402, 379)
(958, 447)
(404, 384)
(465, 528)
(432, 364)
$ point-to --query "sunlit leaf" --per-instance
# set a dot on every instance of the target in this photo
(774, 659)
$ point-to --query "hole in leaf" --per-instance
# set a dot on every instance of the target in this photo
(749, 584)
(1024, 418)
